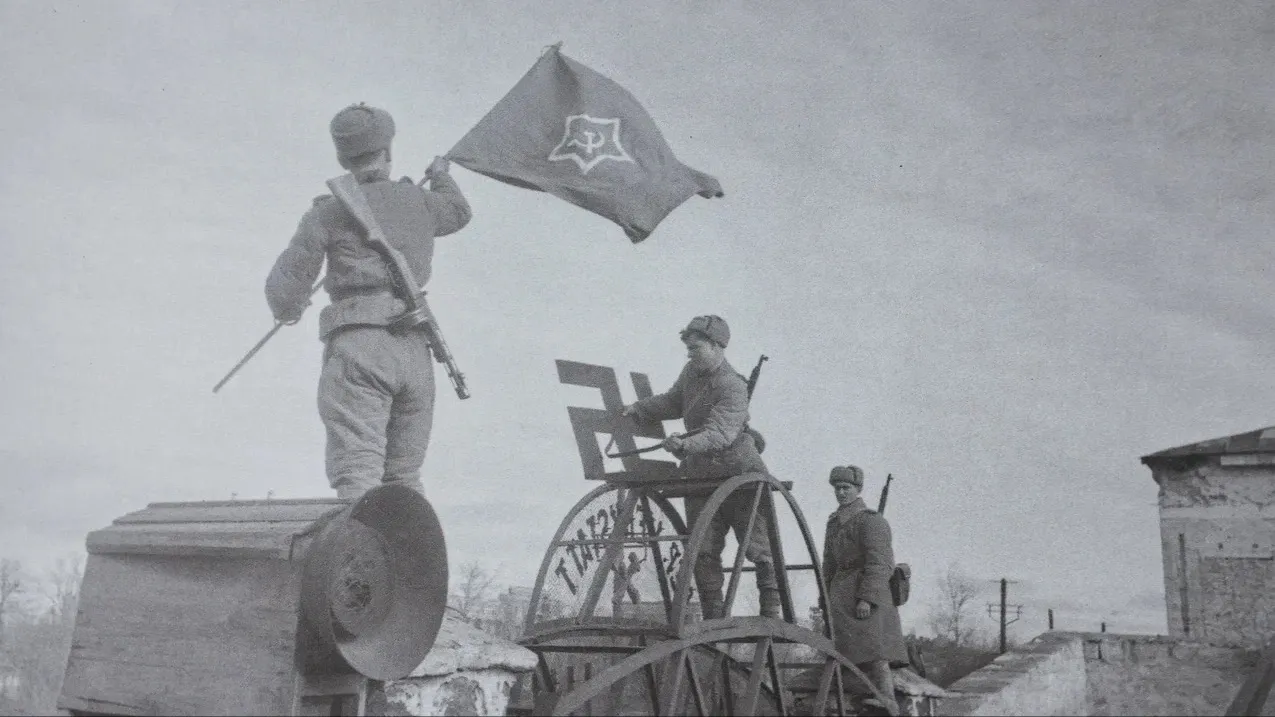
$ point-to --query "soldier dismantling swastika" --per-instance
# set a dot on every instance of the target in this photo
(712, 398)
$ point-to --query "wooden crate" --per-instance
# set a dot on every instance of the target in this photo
(193, 608)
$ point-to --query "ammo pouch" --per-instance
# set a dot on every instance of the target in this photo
(900, 584)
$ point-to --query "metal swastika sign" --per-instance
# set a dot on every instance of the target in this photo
(588, 423)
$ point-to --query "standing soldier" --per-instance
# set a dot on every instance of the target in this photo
(858, 560)
(713, 400)
(376, 389)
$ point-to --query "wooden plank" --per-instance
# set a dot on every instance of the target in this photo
(271, 501)
(185, 636)
(160, 690)
(234, 512)
(752, 695)
(333, 694)
(192, 541)
(84, 706)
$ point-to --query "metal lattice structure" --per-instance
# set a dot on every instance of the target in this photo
(614, 616)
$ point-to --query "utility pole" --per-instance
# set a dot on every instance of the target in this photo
(1051, 618)
(1003, 608)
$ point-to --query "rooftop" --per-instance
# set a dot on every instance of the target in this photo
(1260, 441)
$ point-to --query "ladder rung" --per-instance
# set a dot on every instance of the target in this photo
(628, 541)
(753, 568)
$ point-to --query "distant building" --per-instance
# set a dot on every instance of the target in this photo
(505, 615)
(1217, 532)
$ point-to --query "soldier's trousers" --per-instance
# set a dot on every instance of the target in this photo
(376, 399)
(733, 515)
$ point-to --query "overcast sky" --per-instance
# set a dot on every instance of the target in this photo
(1000, 250)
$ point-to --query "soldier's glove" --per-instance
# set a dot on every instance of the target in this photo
(673, 444)
(440, 165)
(291, 315)
(863, 609)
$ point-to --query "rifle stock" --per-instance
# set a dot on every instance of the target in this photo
(418, 315)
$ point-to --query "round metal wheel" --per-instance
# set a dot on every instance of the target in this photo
(638, 534)
(744, 666)
(614, 620)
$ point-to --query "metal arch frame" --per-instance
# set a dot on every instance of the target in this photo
(676, 522)
(699, 533)
(544, 644)
(538, 588)
(707, 638)
(678, 635)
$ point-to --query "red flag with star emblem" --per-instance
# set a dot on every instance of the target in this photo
(569, 131)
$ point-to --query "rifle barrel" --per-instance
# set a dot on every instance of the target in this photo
(756, 374)
(885, 493)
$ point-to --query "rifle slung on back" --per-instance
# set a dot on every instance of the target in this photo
(418, 315)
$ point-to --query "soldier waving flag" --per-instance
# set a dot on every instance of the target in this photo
(569, 131)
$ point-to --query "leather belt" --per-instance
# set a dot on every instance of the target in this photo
(343, 294)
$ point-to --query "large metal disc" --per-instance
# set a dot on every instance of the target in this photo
(375, 582)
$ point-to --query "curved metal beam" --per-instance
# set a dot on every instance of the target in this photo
(706, 637)
(699, 534)
(533, 607)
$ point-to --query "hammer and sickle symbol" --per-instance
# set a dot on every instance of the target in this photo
(592, 141)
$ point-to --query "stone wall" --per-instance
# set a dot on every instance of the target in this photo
(1217, 530)
(1044, 677)
(1062, 673)
(1157, 675)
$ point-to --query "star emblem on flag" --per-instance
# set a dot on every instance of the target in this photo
(588, 140)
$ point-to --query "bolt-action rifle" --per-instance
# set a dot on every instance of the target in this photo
(418, 315)
(756, 374)
(885, 493)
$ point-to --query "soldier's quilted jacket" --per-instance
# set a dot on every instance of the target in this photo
(358, 280)
(715, 401)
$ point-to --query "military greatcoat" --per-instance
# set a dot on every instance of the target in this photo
(857, 562)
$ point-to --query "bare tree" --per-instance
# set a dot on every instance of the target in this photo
(10, 585)
(471, 589)
(37, 645)
(64, 588)
(949, 614)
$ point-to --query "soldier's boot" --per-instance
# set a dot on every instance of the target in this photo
(767, 590)
(882, 677)
(770, 604)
